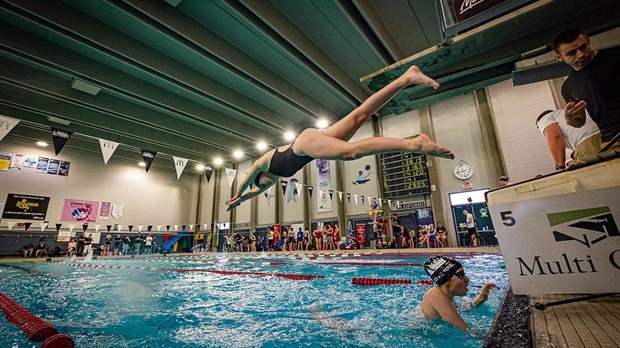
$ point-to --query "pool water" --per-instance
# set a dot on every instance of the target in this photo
(143, 303)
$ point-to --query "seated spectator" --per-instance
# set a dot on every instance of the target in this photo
(71, 248)
(442, 235)
(40, 250)
(56, 251)
(412, 236)
(27, 250)
(423, 237)
(432, 237)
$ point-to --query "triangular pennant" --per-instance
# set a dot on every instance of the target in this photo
(58, 226)
(299, 189)
(10, 224)
(284, 183)
(179, 165)
(60, 138)
(140, 227)
(355, 198)
(191, 227)
(71, 227)
(84, 227)
(362, 197)
(370, 201)
(43, 226)
(310, 189)
(120, 228)
(130, 227)
(148, 156)
(109, 227)
(168, 228)
(183, 227)
(331, 194)
(148, 228)
(158, 228)
(349, 197)
(27, 225)
(340, 195)
(97, 227)
(6, 125)
(230, 175)
(208, 172)
(176, 228)
(390, 202)
(380, 203)
(107, 149)
(206, 226)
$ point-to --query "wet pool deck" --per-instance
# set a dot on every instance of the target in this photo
(588, 324)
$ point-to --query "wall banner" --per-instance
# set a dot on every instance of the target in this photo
(324, 184)
(79, 210)
(27, 207)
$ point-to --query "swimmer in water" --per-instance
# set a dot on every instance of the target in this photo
(333, 143)
(451, 281)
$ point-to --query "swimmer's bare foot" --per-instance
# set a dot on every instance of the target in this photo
(424, 145)
(415, 76)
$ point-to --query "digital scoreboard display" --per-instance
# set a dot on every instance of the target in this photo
(404, 174)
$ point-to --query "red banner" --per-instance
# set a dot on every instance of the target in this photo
(360, 233)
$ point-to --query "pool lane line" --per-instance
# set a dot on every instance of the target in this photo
(380, 281)
(189, 270)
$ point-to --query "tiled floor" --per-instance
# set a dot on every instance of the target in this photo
(588, 324)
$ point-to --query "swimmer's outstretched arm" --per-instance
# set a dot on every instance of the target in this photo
(259, 166)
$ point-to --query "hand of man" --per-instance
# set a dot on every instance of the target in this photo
(576, 113)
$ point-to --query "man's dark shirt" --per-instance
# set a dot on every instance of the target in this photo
(598, 83)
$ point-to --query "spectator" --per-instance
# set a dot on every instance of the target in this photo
(71, 247)
(88, 241)
(40, 250)
(442, 235)
(28, 250)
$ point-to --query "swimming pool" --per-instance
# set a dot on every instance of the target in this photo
(147, 302)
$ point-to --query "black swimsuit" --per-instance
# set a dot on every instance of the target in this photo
(287, 163)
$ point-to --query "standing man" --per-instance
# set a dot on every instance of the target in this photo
(584, 141)
(471, 228)
(593, 84)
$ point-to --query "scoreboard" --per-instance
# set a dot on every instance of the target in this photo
(404, 174)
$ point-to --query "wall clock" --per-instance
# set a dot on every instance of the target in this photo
(463, 170)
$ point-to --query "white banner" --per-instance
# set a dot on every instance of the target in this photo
(179, 165)
(230, 174)
(6, 125)
(107, 149)
(117, 210)
(563, 244)
(324, 184)
(43, 226)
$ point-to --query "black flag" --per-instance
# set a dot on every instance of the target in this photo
(58, 227)
(84, 227)
(349, 197)
(130, 227)
(310, 188)
(284, 184)
(27, 225)
(109, 227)
(148, 157)
(331, 194)
(208, 172)
(60, 138)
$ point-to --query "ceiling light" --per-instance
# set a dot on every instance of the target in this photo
(85, 87)
(238, 154)
(142, 164)
(261, 145)
(322, 124)
(218, 161)
(42, 143)
(200, 167)
(289, 136)
(58, 120)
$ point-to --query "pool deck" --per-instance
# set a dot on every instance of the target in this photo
(588, 324)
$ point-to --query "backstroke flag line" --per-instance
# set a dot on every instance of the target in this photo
(107, 149)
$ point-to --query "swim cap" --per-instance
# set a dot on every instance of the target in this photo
(441, 269)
